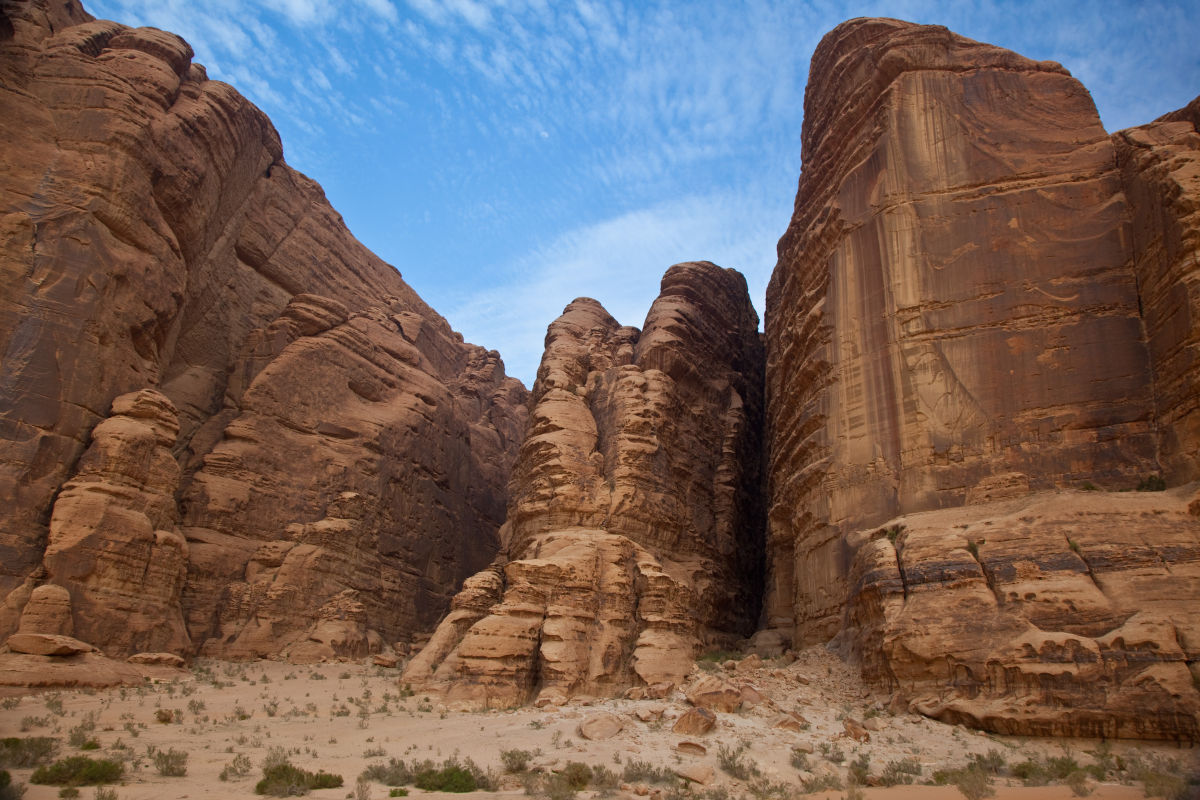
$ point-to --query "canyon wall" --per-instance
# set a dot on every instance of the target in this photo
(982, 298)
(225, 426)
(635, 525)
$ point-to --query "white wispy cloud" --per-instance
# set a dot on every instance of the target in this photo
(619, 262)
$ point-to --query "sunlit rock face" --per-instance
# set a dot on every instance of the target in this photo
(635, 525)
(316, 460)
(954, 324)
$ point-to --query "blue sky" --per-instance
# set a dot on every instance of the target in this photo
(509, 156)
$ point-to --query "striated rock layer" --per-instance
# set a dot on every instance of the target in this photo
(634, 528)
(285, 447)
(956, 318)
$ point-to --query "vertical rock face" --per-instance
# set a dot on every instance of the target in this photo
(952, 312)
(1160, 170)
(955, 321)
(154, 239)
(633, 533)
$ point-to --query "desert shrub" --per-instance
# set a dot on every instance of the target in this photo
(8, 789)
(731, 761)
(515, 760)
(78, 771)
(451, 778)
(164, 715)
(68, 792)
(398, 793)
(394, 773)
(1152, 483)
(644, 772)
(285, 780)
(238, 768)
(604, 780)
(27, 752)
(172, 763)
(821, 784)
(799, 759)
(904, 771)
(1159, 778)
(577, 774)
(1077, 780)
(762, 788)
(859, 769)
(973, 781)
(104, 793)
(832, 752)
(992, 763)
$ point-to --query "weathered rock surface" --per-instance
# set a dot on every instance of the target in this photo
(956, 320)
(339, 455)
(1060, 614)
(633, 526)
(45, 644)
(1160, 172)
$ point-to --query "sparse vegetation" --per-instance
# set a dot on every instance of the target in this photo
(78, 771)
(973, 781)
(1152, 483)
(644, 772)
(27, 752)
(732, 761)
(8, 789)
(904, 771)
(286, 780)
(171, 763)
(238, 768)
(515, 761)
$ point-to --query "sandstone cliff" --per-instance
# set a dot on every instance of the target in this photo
(956, 319)
(286, 449)
(634, 528)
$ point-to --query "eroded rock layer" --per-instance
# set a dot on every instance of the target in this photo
(338, 453)
(954, 320)
(634, 529)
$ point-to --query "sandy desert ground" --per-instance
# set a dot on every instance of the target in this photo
(342, 717)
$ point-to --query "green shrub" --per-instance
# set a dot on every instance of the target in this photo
(1152, 483)
(27, 752)
(68, 792)
(285, 780)
(398, 793)
(451, 778)
(859, 769)
(8, 789)
(973, 781)
(78, 771)
(394, 773)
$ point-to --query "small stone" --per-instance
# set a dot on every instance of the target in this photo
(691, 748)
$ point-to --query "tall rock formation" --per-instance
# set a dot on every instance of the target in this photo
(635, 524)
(338, 454)
(955, 320)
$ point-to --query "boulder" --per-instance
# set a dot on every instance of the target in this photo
(695, 722)
(598, 727)
(45, 644)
